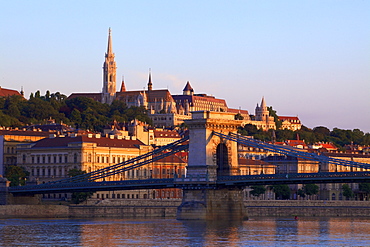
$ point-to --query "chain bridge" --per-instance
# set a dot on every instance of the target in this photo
(212, 187)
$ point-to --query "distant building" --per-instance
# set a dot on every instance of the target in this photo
(290, 123)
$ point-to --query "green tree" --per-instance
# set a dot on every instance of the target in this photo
(273, 113)
(249, 130)
(364, 187)
(311, 189)
(78, 197)
(258, 190)
(16, 175)
(75, 117)
(238, 117)
(347, 191)
(282, 191)
(301, 193)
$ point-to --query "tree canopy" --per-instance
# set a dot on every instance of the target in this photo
(80, 112)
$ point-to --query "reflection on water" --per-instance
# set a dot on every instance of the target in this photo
(170, 232)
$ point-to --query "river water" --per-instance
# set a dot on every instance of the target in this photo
(171, 232)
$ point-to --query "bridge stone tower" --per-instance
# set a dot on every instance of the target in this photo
(209, 157)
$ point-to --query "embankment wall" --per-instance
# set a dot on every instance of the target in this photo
(308, 208)
(159, 208)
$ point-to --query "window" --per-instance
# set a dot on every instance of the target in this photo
(75, 158)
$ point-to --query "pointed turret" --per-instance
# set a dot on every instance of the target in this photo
(263, 104)
(150, 84)
(188, 90)
(123, 87)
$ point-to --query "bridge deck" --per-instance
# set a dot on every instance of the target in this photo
(198, 182)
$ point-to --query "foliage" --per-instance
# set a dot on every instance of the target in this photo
(80, 112)
(78, 197)
(258, 190)
(364, 187)
(311, 189)
(338, 137)
(16, 175)
(347, 191)
(273, 113)
(282, 191)
(238, 116)
(301, 193)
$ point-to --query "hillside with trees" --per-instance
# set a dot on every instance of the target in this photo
(88, 114)
(81, 112)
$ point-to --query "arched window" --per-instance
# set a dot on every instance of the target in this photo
(223, 168)
(333, 197)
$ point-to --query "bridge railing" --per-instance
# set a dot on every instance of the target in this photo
(289, 176)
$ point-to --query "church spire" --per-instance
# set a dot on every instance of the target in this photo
(150, 84)
(110, 47)
(109, 74)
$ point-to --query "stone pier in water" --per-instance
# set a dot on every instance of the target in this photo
(209, 157)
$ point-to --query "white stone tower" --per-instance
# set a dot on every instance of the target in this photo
(109, 74)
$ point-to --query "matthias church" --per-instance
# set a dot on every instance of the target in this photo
(168, 110)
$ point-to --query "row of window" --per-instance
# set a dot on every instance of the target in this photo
(156, 194)
(46, 159)
(11, 150)
(49, 172)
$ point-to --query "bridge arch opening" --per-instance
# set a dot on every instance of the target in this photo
(222, 159)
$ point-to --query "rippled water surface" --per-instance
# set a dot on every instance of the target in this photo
(171, 232)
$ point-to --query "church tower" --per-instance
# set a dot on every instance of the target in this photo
(109, 74)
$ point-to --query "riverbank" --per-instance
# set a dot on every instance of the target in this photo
(168, 208)
(317, 208)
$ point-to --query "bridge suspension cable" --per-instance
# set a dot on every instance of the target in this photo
(154, 155)
(290, 151)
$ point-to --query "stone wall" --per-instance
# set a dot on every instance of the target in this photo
(308, 208)
(159, 208)
(34, 211)
(121, 212)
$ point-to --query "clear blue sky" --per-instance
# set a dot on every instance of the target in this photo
(307, 58)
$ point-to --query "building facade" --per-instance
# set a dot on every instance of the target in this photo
(10, 138)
